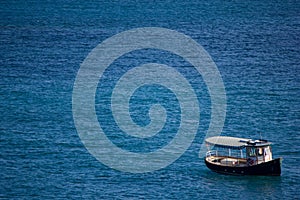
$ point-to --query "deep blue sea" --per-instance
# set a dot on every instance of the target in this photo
(254, 44)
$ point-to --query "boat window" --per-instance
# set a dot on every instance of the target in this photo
(260, 151)
(251, 152)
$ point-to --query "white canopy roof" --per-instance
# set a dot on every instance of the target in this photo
(235, 143)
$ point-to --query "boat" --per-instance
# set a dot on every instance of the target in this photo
(240, 156)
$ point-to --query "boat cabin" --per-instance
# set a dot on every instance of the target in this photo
(258, 151)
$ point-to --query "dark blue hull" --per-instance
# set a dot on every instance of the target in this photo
(271, 168)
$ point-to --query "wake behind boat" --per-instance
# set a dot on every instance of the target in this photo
(231, 155)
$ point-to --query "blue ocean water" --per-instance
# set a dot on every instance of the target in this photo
(255, 45)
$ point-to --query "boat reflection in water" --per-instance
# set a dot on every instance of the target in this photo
(239, 156)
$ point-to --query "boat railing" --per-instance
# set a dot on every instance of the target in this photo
(212, 153)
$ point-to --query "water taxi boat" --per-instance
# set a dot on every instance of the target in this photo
(239, 156)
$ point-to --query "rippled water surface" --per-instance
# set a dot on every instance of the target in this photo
(255, 45)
